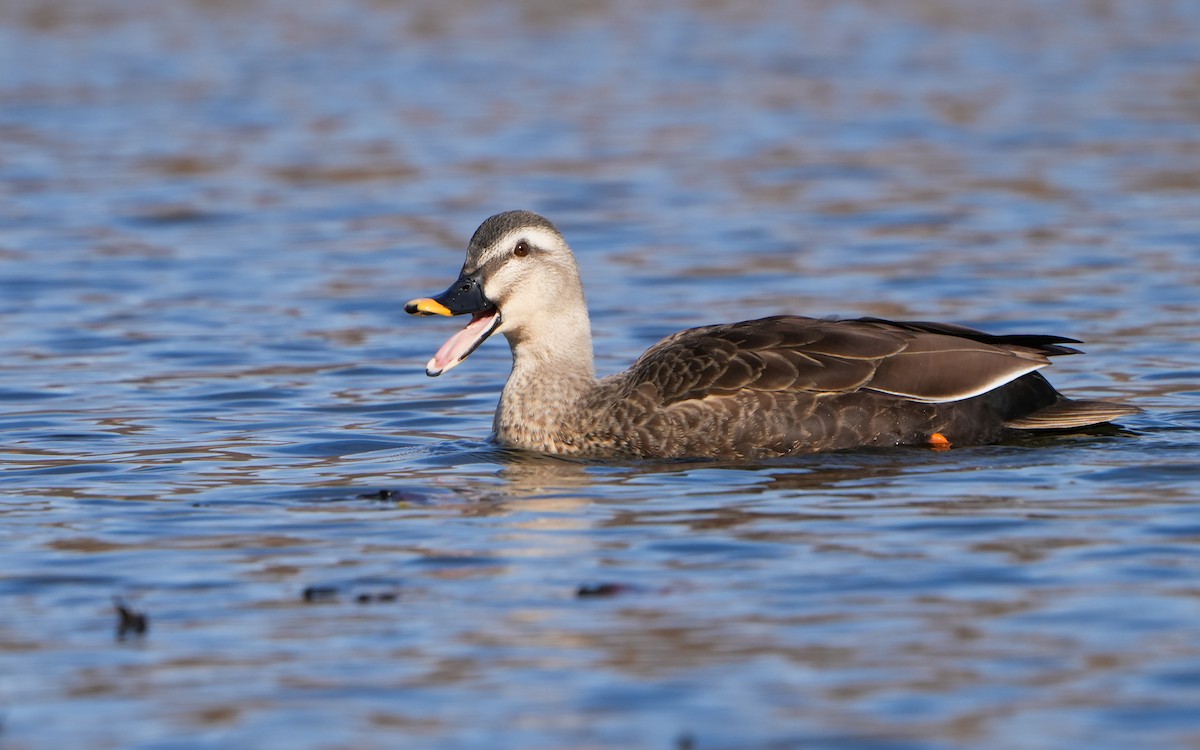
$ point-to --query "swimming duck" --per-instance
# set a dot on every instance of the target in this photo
(777, 386)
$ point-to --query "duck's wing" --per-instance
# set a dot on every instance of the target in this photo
(1046, 344)
(923, 362)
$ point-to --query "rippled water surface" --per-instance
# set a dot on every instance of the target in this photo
(213, 410)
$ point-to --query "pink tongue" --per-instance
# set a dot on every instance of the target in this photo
(460, 343)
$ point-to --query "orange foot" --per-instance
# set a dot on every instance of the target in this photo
(939, 442)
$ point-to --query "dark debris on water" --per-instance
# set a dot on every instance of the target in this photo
(386, 596)
(598, 590)
(394, 496)
(129, 621)
(320, 594)
(314, 594)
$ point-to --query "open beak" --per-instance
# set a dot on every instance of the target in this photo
(465, 296)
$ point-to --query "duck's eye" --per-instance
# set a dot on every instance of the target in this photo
(522, 249)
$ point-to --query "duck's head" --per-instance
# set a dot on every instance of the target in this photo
(519, 272)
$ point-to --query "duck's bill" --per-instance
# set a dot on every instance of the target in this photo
(426, 306)
(464, 296)
(462, 344)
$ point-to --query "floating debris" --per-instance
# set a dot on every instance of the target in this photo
(386, 596)
(320, 593)
(400, 497)
(129, 622)
(600, 589)
(330, 594)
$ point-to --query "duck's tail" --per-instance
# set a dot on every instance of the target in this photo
(1066, 414)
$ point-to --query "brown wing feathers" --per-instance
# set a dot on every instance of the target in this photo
(919, 361)
(773, 354)
(935, 368)
(1044, 343)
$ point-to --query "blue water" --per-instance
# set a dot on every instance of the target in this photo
(214, 411)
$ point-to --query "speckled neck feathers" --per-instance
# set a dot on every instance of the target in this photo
(552, 373)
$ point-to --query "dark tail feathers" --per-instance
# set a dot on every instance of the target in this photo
(1067, 414)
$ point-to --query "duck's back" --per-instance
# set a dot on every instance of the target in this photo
(788, 385)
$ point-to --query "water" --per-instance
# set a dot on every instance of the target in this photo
(214, 409)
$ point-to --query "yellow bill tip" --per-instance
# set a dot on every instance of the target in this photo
(426, 306)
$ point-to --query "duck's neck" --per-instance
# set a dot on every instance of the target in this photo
(552, 371)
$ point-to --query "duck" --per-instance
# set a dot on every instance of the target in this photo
(778, 386)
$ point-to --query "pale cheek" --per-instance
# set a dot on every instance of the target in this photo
(502, 288)
(515, 313)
